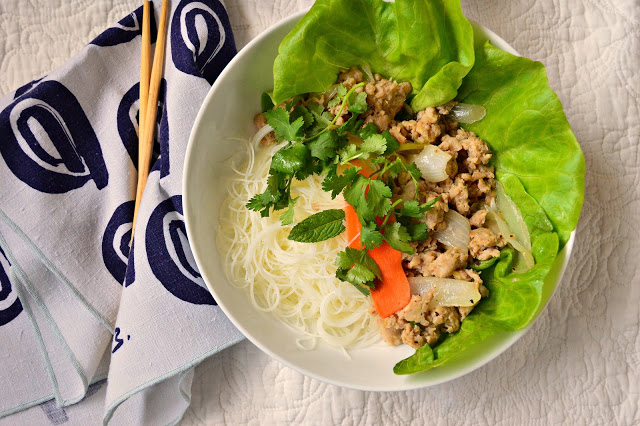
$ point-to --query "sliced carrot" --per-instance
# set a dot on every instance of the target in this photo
(392, 292)
(366, 171)
(353, 226)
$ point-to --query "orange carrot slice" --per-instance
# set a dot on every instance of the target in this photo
(353, 226)
(392, 292)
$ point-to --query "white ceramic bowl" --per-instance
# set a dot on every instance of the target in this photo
(226, 114)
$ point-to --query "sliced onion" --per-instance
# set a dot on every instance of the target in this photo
(512, 216)
(264, 131)
(467, 114)
(456, 234)
(432, 162)
(447, 292)
(366, 68)
(495, 221)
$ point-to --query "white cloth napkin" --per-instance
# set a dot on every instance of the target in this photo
(76, 306)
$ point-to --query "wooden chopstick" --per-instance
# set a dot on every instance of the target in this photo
(148, 124)
(145, 69)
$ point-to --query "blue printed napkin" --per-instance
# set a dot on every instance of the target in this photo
(76, 305)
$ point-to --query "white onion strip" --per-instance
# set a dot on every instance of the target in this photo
(447, 292)
(457, 232)
(432, 162)
(496, 222)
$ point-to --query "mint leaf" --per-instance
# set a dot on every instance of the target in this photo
(319, 227)
(370, 236)
(290, 159)
(279, 119)
(336, 183)
(287, 217)
(398, 237)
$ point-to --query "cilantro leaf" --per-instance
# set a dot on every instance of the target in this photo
(321, 117)
(410, 209)
(370, 236)
(324, 147)
(413, 171)
(417, 232)
(358, 268)
(376, 202)
(413, 210)
(350, 152)
(287, 217)
(398, 237)
(336, 183)
(376, 144)
(333, 102)
(279, 119)
(369, 129)
(342, 90)
(392, 143)
(357, 103)
(290, 159)
(319, 227)
(354, 192)
(294, 101)
(351, 126)
(302, 111)
(261, 202)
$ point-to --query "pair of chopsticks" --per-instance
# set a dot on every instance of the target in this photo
(150, 79)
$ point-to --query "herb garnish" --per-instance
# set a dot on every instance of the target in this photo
(314, 144)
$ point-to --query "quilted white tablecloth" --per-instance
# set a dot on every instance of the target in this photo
(580, 362)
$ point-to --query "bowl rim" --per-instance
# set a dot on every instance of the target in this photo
(410, 385)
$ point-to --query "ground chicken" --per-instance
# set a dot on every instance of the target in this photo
(485, 244)
(445, 263)
(385, 99)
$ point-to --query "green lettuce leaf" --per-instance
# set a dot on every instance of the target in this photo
(426, 42)
(541, 166)
(528, 132)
